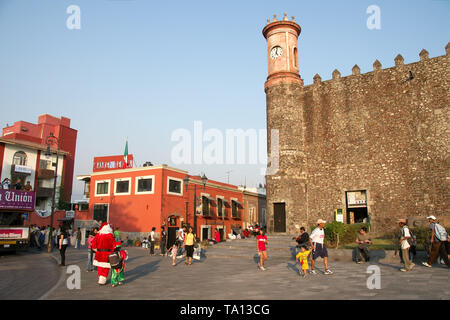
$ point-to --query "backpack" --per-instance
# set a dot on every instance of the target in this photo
(114, 260)
(440, 232)
(412, 241)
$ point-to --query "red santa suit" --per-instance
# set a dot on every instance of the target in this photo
(104, 244)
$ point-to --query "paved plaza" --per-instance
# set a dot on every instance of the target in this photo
(226, 271)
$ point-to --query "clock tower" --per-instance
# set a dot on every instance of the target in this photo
(282, 50)
(286, 172)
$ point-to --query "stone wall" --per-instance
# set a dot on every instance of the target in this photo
(386, 132)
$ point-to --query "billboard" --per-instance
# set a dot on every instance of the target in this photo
(17, 200)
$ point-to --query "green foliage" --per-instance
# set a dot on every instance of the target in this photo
(338, 233)
(334, 232)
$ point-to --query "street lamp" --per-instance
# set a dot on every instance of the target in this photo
(186, 184)
(50, 140)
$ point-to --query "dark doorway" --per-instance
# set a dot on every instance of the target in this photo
(205, 233)
(279, 217)
(171, 236)
(359, 214)
(101, 212)
(221, 234)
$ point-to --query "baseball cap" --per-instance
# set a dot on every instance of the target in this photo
(321, 221)
(431, 217)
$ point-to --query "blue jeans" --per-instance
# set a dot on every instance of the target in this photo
(91, 256)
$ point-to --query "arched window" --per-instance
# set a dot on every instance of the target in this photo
(295, 57)
(20, 158)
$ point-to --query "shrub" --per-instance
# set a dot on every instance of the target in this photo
(334, 232)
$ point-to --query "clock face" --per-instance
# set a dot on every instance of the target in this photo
(276, 52)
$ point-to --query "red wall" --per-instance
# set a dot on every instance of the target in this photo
(139, 213)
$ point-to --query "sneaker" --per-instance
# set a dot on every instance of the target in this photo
(328, 272)
(313, 272)
(412, 266)
(262, 268)
(359, 262)
(426, 264)
(403, 270)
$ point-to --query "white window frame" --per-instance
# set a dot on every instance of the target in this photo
(223, 206)
(109, 188)
(122, 193)
(174, 193)
(209, 231)
(137, 184)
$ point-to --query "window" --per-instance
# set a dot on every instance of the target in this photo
(145, 185)
(44, 164)
(175, 186)
(295, 57)
(122, 186)
(20, 158)
(219, 207)
(102, 188)
(235, 209)
(205, 206)
(101, 212)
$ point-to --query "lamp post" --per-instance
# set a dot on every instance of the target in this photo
(186, 187)
(52, 139)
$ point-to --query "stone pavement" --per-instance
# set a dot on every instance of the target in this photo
(229, 271)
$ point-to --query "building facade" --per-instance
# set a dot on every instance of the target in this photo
(22, 157)
(365, 147)
(138, 199)
(254, 206)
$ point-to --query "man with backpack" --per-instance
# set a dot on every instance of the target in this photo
(405, 245)
(438, 238)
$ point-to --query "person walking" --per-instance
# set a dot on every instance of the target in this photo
(162, 245)
(439, 237)
(91, 253)
(173, 251)
(118, 270)
(63, 243)
(78, 239)
(404, 245)
(152, 241)
(189, 241)
(316, 241)
(302, 256)
(261, 242)
(117, 234)
(103, 244)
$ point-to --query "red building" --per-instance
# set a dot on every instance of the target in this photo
(138, 199)
(22, 157)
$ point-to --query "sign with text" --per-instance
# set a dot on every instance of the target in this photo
(112, 163)
(13, 233)
(17, 200)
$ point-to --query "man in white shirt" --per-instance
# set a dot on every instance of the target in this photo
(318, 249)
(404, 245)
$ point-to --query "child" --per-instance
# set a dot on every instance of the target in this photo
(117, 274)
(303, 257)
(173, 251)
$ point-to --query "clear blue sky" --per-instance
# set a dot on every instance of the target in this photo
(141, 69)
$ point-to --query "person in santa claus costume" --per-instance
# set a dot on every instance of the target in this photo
(103, 244)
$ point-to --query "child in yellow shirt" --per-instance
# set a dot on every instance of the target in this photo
(302, 256)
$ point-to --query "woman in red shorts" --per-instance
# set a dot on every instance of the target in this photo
(261, 241)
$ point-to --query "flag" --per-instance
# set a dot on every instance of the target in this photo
(125, 154)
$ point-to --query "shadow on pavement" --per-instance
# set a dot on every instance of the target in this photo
(294, 268)
(141, 271)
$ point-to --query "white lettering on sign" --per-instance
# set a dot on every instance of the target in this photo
(14, 197)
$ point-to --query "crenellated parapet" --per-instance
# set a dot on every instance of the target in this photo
(399, 66)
